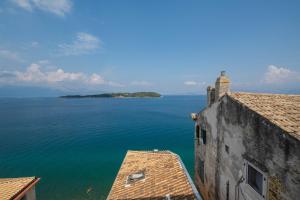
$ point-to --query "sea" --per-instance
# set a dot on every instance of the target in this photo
(76, 146)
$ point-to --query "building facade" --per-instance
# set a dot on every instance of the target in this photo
(247, 145)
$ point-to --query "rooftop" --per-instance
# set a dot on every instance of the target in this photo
(13, 188)
(281, 109)
(153, 175)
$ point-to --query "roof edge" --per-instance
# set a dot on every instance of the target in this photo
(19, 195)
(264, 93)
(196, 193)
(292, 134)
(117, 174)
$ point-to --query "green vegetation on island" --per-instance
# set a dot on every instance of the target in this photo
(117, 95)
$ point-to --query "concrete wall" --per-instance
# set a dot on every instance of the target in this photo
(249, 138)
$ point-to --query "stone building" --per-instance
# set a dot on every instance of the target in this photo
(18, 188)
(147, 175)
(247, 145)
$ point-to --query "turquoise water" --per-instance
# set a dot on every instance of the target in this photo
(79, 144)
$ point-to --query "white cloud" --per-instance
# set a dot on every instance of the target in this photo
(34, 44)
(96, 79)
(83, 44)
(193, 83)
(57, 7)
(276, 74)
(190, 83)
(44, 62)
(141, 83)
(25, 4)
(35, 74)
(9, 55)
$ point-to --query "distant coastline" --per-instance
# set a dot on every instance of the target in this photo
(117, 95)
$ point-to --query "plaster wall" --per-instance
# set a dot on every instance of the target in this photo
(207, 152)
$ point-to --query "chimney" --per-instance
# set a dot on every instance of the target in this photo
(210, 95)
(221, 86)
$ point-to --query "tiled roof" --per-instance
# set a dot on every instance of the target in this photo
(280, 109)
(164, 177)
(10, 188)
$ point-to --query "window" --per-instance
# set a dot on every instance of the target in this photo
(203, 135)
(227, 149)
(197, 133)
(256, 179)
(135, 177)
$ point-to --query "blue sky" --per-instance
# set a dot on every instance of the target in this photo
(169, 46)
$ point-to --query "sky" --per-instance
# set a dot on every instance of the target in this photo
(55, 47)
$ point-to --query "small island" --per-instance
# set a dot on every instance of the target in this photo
(117, 95)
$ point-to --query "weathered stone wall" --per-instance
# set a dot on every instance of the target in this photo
(207, 152)
(248, 137)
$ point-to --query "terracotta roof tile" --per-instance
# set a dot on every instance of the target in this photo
(281, 109)
(164, 175)
(10, 187)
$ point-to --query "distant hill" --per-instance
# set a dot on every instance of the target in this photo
(117, 95)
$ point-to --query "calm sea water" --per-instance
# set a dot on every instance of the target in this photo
(76, 145)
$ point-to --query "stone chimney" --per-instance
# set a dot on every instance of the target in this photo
(210, 95)
(221, 86)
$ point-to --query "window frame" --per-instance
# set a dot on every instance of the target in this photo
(264, 181)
